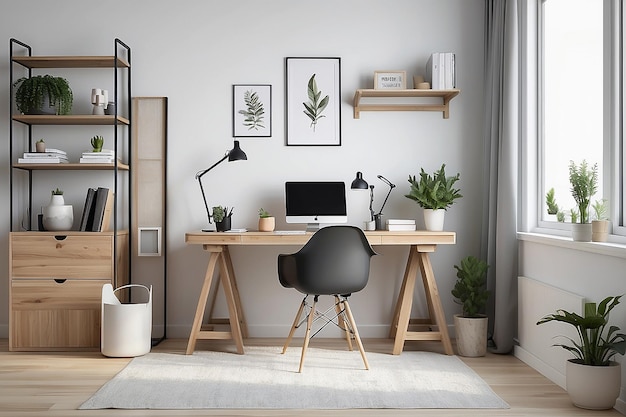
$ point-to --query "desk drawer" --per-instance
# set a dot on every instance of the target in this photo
(72, 256)
(55, 314)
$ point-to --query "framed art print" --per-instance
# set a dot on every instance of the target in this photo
(252, 110)
(390, 80)
(313, 107)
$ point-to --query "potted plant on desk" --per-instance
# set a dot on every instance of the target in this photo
(222, 217)
(267, 222)
(600, 224)
(593, 378)
(470, 290)
(434, 194)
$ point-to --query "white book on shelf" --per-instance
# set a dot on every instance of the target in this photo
(449, 71)
(104, 152)
(433, 71)
(401, 221)
(96, 160)
(401, 227)
(52, 150)
(48, 160)
(44, 155)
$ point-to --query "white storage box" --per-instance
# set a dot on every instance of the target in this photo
(126, 329)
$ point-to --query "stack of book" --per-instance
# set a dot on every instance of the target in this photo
(106, 156)
(50, 156)
(97, 210)
(440, 71)
(398, 225)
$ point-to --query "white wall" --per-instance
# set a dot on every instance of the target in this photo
(194, 51)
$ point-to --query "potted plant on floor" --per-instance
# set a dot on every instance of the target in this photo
(470, 290)
(435, 194)
(593, 378)
(584, 184)
(43, 94)
(222, 217)
(600, 224)
(267, 222)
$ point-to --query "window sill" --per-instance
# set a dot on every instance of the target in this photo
(616, 249)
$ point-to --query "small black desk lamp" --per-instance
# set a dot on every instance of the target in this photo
(360, 184)
(235, 154)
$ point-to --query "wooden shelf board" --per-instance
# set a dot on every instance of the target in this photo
(81, 119)
(445, 95)
(69, 61)
(71, 167)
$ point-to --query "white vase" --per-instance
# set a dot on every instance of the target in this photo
(433, 219)
(593, 387)
(581, 232)
(57, 215)
(471, 335)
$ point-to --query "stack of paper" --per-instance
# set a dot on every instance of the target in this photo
(395, 225)
(106, 156)
(50, 156)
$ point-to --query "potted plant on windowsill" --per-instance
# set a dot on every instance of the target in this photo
(435, 194)
(600, 224)
(267, 222)
(593, 378)
(470, 290)
(222, 218)
(43, 94)
(584, 184)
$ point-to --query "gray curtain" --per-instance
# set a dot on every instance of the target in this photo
(499, 240)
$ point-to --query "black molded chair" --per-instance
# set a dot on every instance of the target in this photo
(335, 261)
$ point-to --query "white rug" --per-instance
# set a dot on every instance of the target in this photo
(265, 379)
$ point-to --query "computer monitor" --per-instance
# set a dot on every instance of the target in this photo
(316, 203)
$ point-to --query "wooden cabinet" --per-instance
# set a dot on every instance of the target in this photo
(56, 278)
(55, 287)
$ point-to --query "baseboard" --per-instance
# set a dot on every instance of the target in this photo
(540, 366)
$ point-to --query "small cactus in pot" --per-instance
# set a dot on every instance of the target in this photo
(97, 142)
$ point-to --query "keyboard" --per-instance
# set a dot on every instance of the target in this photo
(289, 232)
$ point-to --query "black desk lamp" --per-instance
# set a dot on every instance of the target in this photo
(235, 154)
(360, 184)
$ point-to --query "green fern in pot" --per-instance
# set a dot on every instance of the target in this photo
(31, 94)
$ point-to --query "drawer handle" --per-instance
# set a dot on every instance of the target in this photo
(60, 280)
(60, 237)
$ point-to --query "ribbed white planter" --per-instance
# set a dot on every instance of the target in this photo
(581, 232)
(593, 387)
(471, 335)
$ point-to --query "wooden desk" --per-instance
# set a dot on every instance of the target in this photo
(421, 244)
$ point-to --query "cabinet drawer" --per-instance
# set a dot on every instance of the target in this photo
(47, 255)
(46, 314)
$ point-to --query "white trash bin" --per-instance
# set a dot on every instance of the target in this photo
(126, 329)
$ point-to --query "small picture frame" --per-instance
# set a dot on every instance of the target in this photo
(252, 110)
(389, 80)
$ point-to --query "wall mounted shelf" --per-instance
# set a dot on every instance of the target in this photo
(444, 95)
(70, 120)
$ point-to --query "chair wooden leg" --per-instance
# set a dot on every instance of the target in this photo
(356, 333)
(309, 324)
(293, 326)
(342, 323)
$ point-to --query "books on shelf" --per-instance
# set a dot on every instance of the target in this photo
(441, 70)
(106, 156)
(50, 156)
(395, 225)
(84, 160)
(97, 210)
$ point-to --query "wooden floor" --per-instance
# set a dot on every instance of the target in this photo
(55, 384)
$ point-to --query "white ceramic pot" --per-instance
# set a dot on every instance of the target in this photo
(433, 219)
(57, 215)
(581, 232)
(471, 335)
(593, 387)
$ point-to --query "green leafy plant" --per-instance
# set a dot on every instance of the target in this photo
(264, 213)
(254, 113)
(436, 191)
(57, 192)
(584, 184)
(31, 92)
(470, 289)
(314, 108)
(97, 142)
(593, 347)
(220, 213)
(560, 216)
(553, 208)
(600, 209)
(573, 214)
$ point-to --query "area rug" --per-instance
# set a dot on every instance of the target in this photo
(263, 378)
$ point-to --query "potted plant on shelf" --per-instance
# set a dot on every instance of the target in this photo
(222, 217)
(435, 194)
(43, 94)
(600, 224)
(267, 222)
(584, 184)
(40, 145)
(470, 290)
(593, 378)
(57, 215)
(97, 142)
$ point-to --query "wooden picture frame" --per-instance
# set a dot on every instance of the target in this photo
(390, 80)
(252, 110)
(313, 107)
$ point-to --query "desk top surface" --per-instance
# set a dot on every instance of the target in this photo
(377, 237)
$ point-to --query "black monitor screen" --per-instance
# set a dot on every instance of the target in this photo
(315, 199)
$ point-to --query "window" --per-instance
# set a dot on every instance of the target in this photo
(580, 105)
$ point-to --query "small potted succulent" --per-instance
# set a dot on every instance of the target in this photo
(267, 222)
(96, 143)
(222, 218)
(40, 145)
